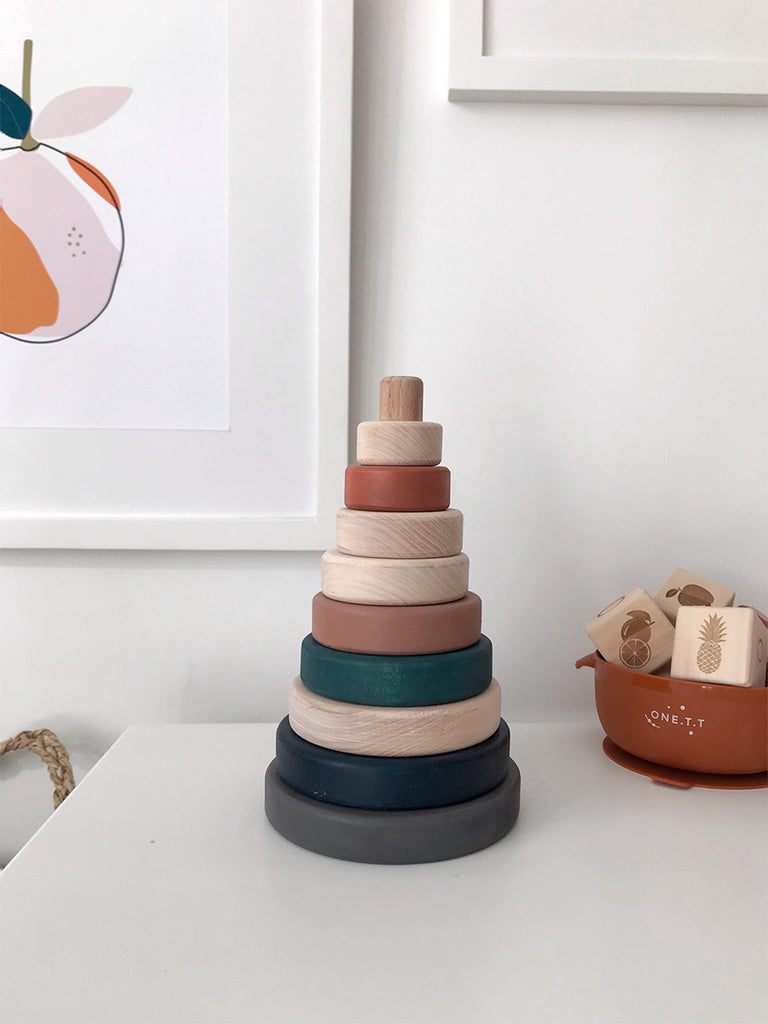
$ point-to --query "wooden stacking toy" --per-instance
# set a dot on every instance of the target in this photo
(394, 750)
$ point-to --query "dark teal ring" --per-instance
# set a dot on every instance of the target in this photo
(391, 783)
(402, 681)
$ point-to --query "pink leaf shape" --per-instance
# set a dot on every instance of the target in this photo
(79, 110)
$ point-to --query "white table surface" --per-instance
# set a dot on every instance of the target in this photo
(159, 892)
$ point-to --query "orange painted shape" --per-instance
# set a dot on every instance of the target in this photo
(95, 179)
(28, 297)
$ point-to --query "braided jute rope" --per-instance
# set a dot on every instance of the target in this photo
(51, 751)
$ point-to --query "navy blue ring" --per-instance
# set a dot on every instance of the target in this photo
(391, 783)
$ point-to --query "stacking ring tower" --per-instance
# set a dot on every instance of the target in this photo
(394, 750)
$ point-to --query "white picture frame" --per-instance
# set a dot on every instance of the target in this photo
(123, 454)
(605, 79)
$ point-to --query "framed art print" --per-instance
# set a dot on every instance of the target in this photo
(174, 249)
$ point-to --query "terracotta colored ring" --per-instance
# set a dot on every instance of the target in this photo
(397, 629)
(397, 488)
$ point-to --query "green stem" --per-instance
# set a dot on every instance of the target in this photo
(26, 91)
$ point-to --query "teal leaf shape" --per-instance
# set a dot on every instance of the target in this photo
(15, 114)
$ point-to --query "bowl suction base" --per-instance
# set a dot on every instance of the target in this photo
(680, 777)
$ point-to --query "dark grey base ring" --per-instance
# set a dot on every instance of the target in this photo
(392, 837)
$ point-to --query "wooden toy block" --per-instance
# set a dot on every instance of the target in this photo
(397, 488)
(393, 732)
(391, 783)
(399, 534)
(720, 645)
(401, 398)
(398, 443)
(393, 580)
(683, 589)
(397, 629)
(392, 837)
(386, 680)
(633, 631)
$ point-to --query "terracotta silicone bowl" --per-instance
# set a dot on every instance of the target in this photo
(705, 728)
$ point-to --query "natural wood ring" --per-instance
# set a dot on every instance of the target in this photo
(404, 581)
(393, 732)
(397, 629)
(397, 488)
(399, 534)
(399, 443)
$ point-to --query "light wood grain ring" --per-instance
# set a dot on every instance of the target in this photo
(399, 534)
(397, 488)
(393, 732)
(399, 443)
(408, 581)
(392, 837)
(397, 629)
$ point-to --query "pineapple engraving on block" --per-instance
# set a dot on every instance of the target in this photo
(720, 645)
(710, 653)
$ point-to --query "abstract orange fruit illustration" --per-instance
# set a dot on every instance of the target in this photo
(61, 228)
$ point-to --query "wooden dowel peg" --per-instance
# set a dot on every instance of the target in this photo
(401, 398)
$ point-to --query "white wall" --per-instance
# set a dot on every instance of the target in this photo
(583, 290)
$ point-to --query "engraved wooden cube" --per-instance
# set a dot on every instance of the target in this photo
(633, 631)
(683, 589)
(720, 645)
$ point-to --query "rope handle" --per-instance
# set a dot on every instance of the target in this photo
(52, 752)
